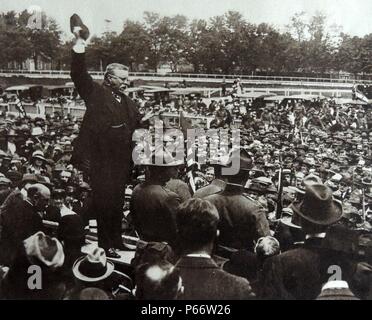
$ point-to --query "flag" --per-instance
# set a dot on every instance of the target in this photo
(359, 95)
(185, 124)
(20, 107)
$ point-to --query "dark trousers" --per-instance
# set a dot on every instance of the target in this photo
(108, 202)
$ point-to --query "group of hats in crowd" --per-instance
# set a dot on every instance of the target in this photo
(40, 150)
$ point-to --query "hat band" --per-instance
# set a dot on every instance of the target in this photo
(92, 270)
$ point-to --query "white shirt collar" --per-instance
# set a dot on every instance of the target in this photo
(316, 235)
(199, 255)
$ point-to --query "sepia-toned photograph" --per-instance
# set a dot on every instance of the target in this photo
(185, 150)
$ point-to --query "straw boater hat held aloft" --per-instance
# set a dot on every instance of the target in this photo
(93, 267)
(319, 206)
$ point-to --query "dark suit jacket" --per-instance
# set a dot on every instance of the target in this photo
(105, 137)
(241, 220)
(179, 187)
(18, 224)
(204, 280)
(153, 208)
(299, 274)
(214, 187)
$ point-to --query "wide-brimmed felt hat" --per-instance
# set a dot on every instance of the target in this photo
(243, 156)
(262, 185)
(93, 267)
(310, 179)
(318, 205)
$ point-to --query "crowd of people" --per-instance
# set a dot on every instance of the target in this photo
(301, 203)
(293, 222)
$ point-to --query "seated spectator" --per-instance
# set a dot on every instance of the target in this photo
(158, 281)
(197, 222)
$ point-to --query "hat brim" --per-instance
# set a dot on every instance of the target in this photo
(40, 158)
(289, 223)
(171, 164)
(75, 270)
(336, 214)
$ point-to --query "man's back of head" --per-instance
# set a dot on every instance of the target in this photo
(158, 281)
(197, 222)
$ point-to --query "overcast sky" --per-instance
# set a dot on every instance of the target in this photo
(352, 15)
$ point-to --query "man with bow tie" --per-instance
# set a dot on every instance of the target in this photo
(104, 145)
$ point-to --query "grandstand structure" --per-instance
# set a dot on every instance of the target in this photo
(280, 85)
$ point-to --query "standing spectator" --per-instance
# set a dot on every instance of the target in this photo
(300, 273)
(197, 222)
(153, 206)
(242, 221)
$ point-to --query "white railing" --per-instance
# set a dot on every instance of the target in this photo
(186, 76)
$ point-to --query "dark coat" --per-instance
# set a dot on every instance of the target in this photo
(105, 137)
(241, 220)
(19, 223)
(104, 149)
(153, 208)
(214, 187)
(179, 187)
(204, 280)
(299, 274)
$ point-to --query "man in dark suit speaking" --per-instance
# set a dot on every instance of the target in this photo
(105, 139)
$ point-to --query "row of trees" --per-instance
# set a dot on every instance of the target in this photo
(222, 44)
(19, 42)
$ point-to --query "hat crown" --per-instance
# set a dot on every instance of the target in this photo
(48, 247)
(319, 206)
(97, 256)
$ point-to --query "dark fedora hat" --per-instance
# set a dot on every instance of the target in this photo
(318, 205)
(245, 159)
(75, 21)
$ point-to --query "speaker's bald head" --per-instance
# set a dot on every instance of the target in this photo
(39, 189)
